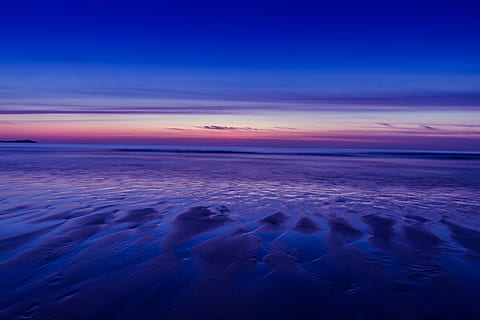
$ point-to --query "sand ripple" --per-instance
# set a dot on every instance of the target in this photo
(165, 236)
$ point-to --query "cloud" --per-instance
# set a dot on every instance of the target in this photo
(284, 128)
(112, 109)
(217, 128)
(410, 98)
(222, 102)
(226, 128)
(457, 125)
(386, 124)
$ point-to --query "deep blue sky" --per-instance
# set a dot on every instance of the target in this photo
(346, 63)
(366, 35)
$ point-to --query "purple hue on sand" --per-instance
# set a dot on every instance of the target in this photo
(92, 232)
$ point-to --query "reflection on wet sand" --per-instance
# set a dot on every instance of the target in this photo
(150, 236)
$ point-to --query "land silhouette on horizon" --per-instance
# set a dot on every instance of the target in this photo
(19, 141)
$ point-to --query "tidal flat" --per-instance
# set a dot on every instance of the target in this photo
(109, 232)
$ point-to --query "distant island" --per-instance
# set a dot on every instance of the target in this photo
(19, 141)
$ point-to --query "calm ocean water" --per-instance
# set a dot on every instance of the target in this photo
(164, 232)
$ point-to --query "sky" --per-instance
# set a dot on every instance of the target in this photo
(382, 74)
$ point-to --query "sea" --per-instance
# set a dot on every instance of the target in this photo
(189, 232)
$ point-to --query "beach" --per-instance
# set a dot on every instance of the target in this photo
(142, 232)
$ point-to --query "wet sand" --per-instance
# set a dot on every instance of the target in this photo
(116, 235)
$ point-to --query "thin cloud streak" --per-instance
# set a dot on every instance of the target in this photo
(388, 125)
(236, 102)
(226, 128)
(431, 98)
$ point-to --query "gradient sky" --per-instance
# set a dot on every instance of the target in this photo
(387, 74)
